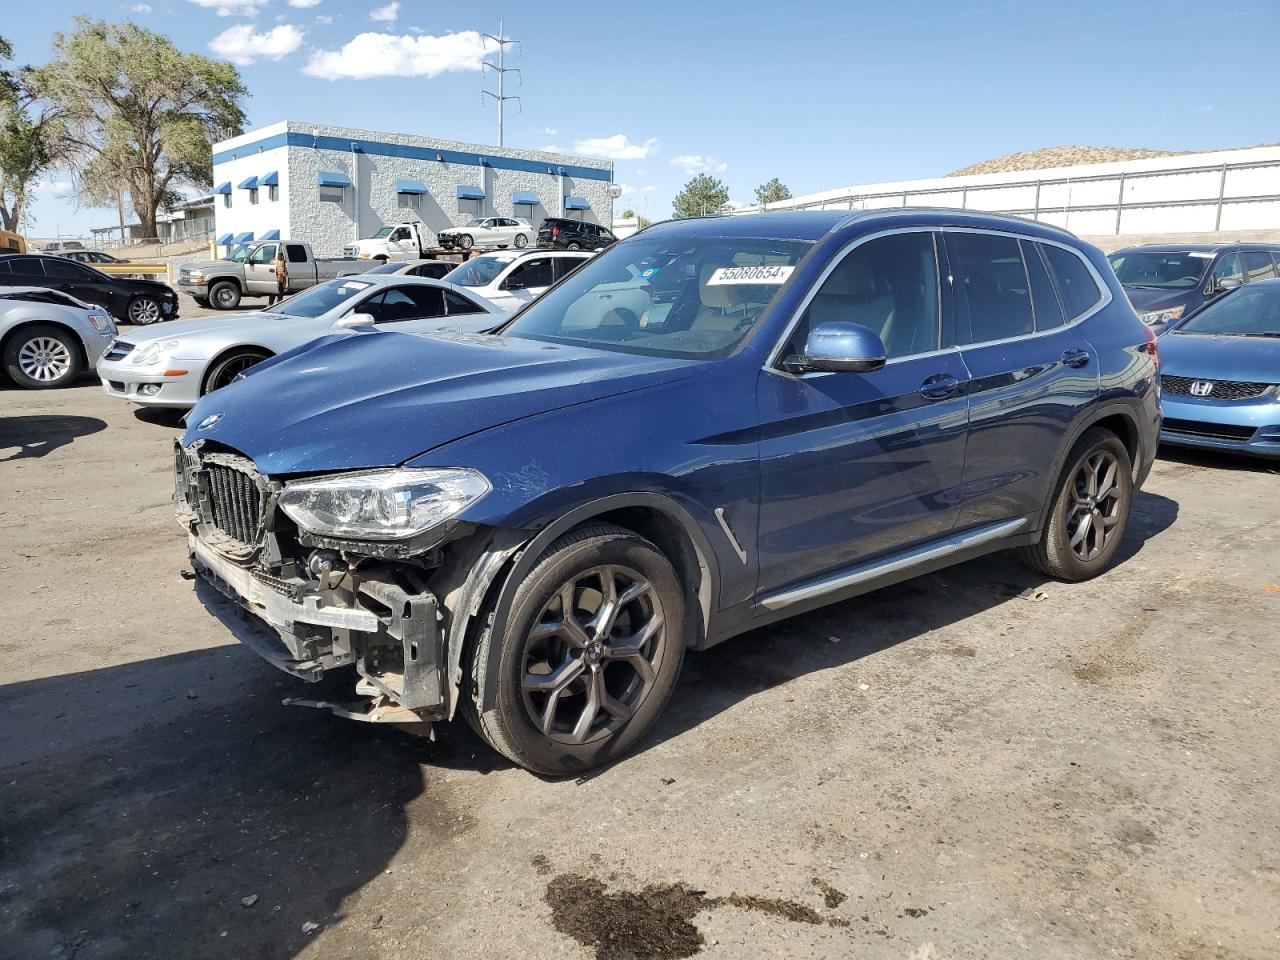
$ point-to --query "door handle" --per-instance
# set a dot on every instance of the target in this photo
(939, 386)
(1075, 357)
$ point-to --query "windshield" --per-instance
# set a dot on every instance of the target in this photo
(386, 268)
(382, 234)
(1176, 270)
(479, 272)
(238, 255)
(320, 299)
(1252, 311)
(687, 298)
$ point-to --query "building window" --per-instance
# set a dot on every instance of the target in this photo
(253, 197)
(524, 211)
(332, 194)
(411, 200)
(273, 193)
(226, 201)
(473, 207)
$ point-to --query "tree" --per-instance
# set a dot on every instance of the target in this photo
(29, 141)
(702, 196)
(628, 213)
(139, 111)
(772, 192)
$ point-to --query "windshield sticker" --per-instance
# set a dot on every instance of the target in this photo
(770, 273)
(352, 286)
(646, 274)
(1199, 253)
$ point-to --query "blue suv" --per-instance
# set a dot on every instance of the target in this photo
(715, 424)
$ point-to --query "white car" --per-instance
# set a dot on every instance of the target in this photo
(177, 366)
(47, 337)
(488, 232)
(511, 279)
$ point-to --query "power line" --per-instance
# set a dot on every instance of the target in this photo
(501, 69)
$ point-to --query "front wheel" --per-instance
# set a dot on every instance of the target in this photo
(589, 656)
(144, 311)
(42, 357)
(1090, 510)
(521, 241)
(466, 241)
(229, 367)
(225, 295)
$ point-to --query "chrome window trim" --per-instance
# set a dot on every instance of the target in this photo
(771, 362)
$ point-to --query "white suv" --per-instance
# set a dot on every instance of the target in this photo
(511, 279)
(488, 232)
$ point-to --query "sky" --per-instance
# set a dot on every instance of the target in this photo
(820, 93)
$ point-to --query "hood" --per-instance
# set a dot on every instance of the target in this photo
(1255, 359)
(204, 264)
(1149, 299)
(378, 401)
(178, 329)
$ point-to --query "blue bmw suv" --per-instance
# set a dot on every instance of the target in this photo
(715, 424)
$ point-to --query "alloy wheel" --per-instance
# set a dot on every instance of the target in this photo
(231, 368)
(143, 311)
(1094, 507)
(593, 654)
(44, 359)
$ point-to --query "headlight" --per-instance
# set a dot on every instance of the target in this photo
(1161, 316)
(152, 352)
(196, 276)
(102, 323)
(382, 504)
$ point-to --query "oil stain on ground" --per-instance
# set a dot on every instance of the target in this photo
(654, 922)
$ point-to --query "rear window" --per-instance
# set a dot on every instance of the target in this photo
(1076, 286)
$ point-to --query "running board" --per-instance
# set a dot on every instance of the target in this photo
(870, 571)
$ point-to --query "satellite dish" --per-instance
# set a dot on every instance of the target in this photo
(615, 191)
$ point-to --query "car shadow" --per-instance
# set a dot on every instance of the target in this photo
(1217, 459)
(37, 435)
(167, 417)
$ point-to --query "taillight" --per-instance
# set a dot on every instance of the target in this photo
(555, 232)
(1152, 349)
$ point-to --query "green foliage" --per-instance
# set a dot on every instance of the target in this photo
(140, 113)
(772, 192)
(628, 213)
(702, 196)
(29, 141)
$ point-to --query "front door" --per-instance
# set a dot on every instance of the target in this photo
(1032, 371)
(260, 270)
(855, 465)
(528, 280)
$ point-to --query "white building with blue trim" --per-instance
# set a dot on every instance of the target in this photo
(331, 185)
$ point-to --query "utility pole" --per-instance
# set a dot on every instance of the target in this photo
(501, 69)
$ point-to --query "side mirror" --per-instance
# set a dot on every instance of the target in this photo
(354, 321)
(513, 284)
(1227, 283)
(839, 347)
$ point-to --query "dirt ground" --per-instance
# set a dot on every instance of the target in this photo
(940, 770)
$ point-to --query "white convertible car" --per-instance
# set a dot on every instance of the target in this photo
(177, 365)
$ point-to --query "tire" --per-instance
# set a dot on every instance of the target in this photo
(224, 295)
(1063, 552)
(466, 241)
(526, 659)
(144, 311)
(226, 367)
(575, 245)
(42, 357)
(521, 241)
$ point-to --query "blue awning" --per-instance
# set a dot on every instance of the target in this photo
(249, 183)
(521, 197)
(224, 187)
(225, 239)
(333, 179)
(576, 203)
(246, 237)
(272, 179)
(470, 193)
(411, 186)
(270, 235)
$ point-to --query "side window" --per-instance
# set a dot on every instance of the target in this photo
(1044, 299)
(458, 304)
(389, 306)
(1257, 265)
(888, 285)
(27, 266)
(5, 268)
(1227, 268)
(66, 270)
(400, 233)
(990, 271)
(566, 265)
(264, 254)
(1076, 286)
(296, 252)
(534, 273)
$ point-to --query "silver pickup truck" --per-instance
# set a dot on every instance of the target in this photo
(250, 271)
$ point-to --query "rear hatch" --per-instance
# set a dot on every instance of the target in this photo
(548, 232)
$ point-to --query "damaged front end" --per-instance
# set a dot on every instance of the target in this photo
(334, 601)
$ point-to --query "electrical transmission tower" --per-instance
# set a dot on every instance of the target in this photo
(501, 69)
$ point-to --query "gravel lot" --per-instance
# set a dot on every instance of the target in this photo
(940, 770)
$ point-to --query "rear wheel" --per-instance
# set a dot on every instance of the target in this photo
(575, 245)
(225, 295)
(466, 241)
(144, 311)
(228, 367)
(42, 357)
(590, 654)
(521, 241)
(1090, 510)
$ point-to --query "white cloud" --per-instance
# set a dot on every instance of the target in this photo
(1207, 108)
(735, 205)
(304, 4)
(627, 189)
(386, 14)
(617, 147)
(386, 55)
(55, 188)
(242, 46)
(692, 163)
(549, 131)
(226, 8)
(552, 148)
(324, 18)
(141, 8)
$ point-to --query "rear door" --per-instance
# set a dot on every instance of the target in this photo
(83, 283)
(1256, 265)
(1032, 372)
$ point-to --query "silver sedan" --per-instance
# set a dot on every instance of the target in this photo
(176, 366)
(48, 337)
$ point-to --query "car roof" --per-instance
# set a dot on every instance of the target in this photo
(1196, 247)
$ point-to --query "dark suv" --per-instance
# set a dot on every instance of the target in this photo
(128, 300)
(557, 233)
(1166, 282)
(713, 425)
